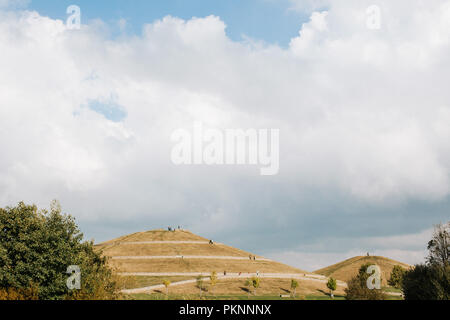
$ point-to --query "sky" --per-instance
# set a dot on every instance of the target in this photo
(86, 117)
(266, 20)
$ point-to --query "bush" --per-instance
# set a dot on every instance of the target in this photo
(19, 294)
(357, 287)
(397, 275)
(256, 282)
(199, 282)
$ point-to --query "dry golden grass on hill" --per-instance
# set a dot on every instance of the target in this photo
(172, 249)
(156, 235)
(126, 246)
(133, 282)
(142, 244)
(201, 265)
(267, 287)
(349, 268)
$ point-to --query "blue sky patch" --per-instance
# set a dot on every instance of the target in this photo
(109, 109)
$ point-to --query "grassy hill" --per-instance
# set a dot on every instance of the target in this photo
(146, 259)
(181, 251)
(349, 268)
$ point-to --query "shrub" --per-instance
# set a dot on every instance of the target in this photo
(357, 287)
(256, 282)
(19, 294)
(397, 275)
(294, 286)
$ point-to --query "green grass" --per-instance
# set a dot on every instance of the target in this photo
(336, 297)
(388, 297)
(145, 281)
(391, 289)
(159, 296)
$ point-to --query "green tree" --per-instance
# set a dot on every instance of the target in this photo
(213, 280)
(427, 282)
(439, 246)
(397, 275)
(37, 247)
(166, 284)
(200, 284)
(256, 282)
(248, 284)
(332, 285)
(357, 287)
(294, 286)
(431, 281)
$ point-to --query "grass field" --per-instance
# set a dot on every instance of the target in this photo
(159, 296)
(237, 287)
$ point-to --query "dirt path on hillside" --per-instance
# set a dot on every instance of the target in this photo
(186, 257)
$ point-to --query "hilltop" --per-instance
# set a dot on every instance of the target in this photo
(349, 268)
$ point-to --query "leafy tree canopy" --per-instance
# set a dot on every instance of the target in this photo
(397, 275)
(37, 247)
(357, 288)
(431, 281)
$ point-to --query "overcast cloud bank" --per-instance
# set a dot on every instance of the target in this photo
(363, 117)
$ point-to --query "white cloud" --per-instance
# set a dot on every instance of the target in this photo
(362, 114)
(14, 3)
